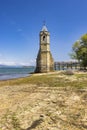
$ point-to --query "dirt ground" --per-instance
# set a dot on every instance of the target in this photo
(35, 107)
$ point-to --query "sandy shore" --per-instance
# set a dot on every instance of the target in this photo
(39, 106)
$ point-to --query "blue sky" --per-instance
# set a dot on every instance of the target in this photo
(22, 20)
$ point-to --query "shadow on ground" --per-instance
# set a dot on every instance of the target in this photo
(35, 124)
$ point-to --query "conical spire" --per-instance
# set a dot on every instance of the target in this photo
(44, 28)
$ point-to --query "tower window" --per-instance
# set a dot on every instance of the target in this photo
(43, 38)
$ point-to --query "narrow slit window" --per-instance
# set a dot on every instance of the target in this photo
(43, 38)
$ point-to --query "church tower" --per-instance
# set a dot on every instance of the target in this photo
(44, 61)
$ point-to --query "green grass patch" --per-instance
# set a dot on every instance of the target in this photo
(52, 80)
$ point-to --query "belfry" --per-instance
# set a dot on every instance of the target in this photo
(44, 61)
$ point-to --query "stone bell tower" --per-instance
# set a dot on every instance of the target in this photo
(44, 61)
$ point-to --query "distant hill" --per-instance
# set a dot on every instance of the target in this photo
(2, 66)
(19, 66)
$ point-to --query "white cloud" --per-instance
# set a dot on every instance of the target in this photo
(8, 63)
(12, 63)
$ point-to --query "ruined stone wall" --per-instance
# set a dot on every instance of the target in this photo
(45, 62)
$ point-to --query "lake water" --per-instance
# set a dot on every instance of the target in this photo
(15, 72)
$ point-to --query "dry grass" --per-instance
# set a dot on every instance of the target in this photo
(53, 101)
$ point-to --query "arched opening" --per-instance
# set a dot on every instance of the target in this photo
(44, 38)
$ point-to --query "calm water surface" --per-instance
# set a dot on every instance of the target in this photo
(16, 72)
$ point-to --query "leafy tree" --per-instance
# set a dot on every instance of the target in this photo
(79, 51)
